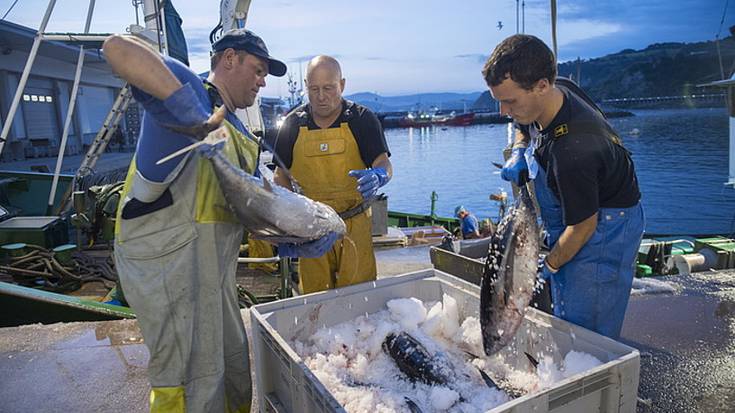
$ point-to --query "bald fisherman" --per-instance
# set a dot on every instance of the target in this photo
(336, 150)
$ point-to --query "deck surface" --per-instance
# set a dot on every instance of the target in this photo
(686, 339)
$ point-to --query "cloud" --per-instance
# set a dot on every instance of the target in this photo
(477, 57)
(377, 59)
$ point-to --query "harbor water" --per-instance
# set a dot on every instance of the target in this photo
(681, 158)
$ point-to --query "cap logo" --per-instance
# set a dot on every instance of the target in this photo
(561, 130)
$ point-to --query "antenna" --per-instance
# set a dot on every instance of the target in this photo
(553, 28)
(523, 16)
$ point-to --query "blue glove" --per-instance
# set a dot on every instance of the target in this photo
(185, 106)
(516, 168)
(369, 180)
(192, 116)
(311, 249)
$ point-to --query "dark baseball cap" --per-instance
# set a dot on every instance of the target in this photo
(245, 40)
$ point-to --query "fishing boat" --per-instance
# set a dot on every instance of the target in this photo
(423, 119)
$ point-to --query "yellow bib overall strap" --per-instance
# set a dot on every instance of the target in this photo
(321, 160)
(123, 195)
(211, 205)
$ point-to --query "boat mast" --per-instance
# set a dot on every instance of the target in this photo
(69, 113)
(553, 27)
(523, 16)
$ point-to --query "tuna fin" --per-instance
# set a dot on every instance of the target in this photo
(532, 360)
(267, 185)
(412, 406)
(488, 381)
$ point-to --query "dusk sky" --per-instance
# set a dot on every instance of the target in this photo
(409, 46)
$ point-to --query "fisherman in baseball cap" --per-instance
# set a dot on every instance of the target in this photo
(245, 40)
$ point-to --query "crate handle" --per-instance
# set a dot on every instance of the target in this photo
(577, 390)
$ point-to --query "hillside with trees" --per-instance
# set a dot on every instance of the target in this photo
(661, 69)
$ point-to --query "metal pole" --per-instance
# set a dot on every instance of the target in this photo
(69, 113)
(731, 178)
(517, 26)
(553, 27)
(162, 16)
(151, 14)
(523, 16)
(285, 267)
(24, 76)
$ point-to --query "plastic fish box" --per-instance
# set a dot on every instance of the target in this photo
(47, 232)
(285, 384)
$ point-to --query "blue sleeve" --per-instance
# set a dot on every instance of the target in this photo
(155, 107)
(470, 224)
(155, 141)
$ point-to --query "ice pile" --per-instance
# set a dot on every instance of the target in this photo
(349, 360)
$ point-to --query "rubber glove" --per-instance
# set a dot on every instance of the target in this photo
(516, 169)
(369, 181)
(311, 249)
(193, 118)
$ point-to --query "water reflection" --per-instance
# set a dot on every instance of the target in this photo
(681, 158)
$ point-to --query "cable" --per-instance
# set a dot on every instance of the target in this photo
(722, 21)
(13, 5)
(717, 41)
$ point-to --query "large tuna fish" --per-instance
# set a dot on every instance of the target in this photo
(414, 360)
(510, 274)
(273, 213)
(267, 211)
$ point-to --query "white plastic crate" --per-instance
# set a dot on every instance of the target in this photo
(285, 384)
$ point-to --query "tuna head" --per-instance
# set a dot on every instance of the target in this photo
(510, 275)
(414, 360)
(270, 212)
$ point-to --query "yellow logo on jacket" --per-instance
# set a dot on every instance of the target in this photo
(561, 130)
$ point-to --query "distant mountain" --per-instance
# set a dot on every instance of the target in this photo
(661, 69)
(422, 101)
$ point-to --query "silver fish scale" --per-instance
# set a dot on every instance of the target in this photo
(270, 212)
(509, 275)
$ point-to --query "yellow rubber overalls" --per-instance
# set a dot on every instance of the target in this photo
(321, 160)
(177, 267)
